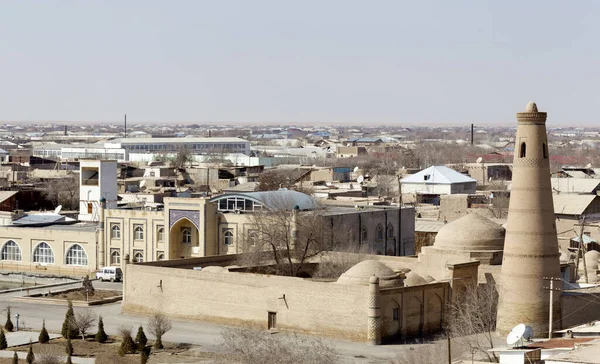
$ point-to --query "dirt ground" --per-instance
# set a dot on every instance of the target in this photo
(80, 295)
(107, 353)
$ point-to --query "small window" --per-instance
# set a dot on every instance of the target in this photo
(186, 235)
(545, 150)
(390, 231)
(138, 256)
(115, 231)
(396, 314)
(523, 150)
(115, 257)
(426, 177)
(252, 237)
(363, 235)
(379, 233)
(160, 234)
(138, 232)
(228, 237)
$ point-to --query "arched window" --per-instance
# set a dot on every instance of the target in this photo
(115, 231)
(545, 150)
(115, 257)
(160, 256)
(186, 235)
(138, 257)
(138, 232)
(161, 234)
(252, 237)
(523, 150)
(390, 231)
(379, 233)
(11, 251)
(228, 237)
(43, 254)
(76, 255)
(363, 234)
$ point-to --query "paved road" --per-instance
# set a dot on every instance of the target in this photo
(205, 335)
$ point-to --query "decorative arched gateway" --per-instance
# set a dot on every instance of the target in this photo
(184, 239)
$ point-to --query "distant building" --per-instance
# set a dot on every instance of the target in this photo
(434, 181)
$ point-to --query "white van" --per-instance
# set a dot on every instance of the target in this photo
(109, 274)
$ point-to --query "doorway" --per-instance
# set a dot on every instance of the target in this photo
(272, 320)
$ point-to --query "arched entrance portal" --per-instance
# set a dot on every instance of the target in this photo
(184, 240)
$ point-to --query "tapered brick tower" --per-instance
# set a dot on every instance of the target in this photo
(530, 246)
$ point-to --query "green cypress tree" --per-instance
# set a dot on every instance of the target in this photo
(44, 338)
(69, 330)
(3, 343)
(141, 339)
(127, 345)
(30, 357)
(15, 359)
(101, 335)
(8, 326)
(69, 347)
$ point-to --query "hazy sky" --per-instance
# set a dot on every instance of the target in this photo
(299, 61)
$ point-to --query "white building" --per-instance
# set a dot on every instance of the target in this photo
(438, 180)
(98, 179)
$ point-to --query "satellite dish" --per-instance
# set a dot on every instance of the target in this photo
(479, 160)
(528, 335)
(516, 334)
(355, 169)
(360, 179)
(588, 166)
(57, 209)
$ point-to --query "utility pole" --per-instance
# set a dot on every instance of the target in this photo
(581, 250)
(401, 250)
(550, 314)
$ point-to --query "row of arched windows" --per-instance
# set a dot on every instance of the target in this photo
(523, 150)
(138, 232)
(138, 257)
(379, 231)
(44, 254)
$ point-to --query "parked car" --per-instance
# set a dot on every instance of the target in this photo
(109, 274)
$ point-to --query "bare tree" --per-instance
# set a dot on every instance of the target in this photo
(49, 355)
(158, 325)
(285, 239)
(471, 319)
(84, 321)
(275, 179)
(184, 156)
(63, 191)
(252, 347)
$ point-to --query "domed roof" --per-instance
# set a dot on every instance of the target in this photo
(413, 279)
(531, 107)
(471, 232)
(360, 274)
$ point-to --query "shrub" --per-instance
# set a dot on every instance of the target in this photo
(141, 339)
(30, 357)
(101, 335)
(8, 326)
(44, 338)
(69, 347)
(15, 359)
(158, 325)
(3, 343)
(127, 343)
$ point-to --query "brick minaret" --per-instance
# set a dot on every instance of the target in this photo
(531, 246)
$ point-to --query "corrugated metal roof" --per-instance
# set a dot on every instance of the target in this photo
(5, 195)
(276, 200)
(567, 204)
(438, 175)
(428, 226)
(575, 185)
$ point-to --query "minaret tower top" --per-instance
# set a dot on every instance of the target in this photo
(531, 115)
